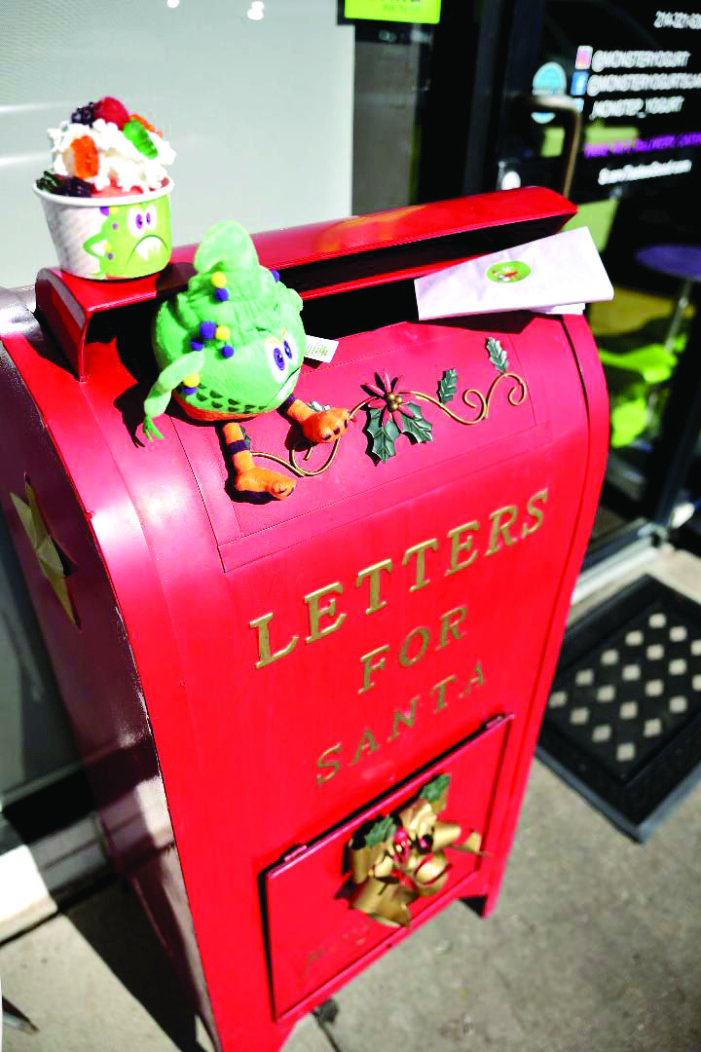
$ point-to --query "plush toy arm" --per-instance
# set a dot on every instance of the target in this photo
(156, 401)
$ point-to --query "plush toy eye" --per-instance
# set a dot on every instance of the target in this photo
(274, 349)
(289, 346)
(150, 217)
(135, 221)
(282, 354)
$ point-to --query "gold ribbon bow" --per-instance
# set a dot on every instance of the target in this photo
(399, 861)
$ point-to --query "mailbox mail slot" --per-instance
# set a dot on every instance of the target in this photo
(251, 684)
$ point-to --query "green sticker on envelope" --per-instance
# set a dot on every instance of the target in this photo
(426, 11)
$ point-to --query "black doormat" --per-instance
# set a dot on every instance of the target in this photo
(623, 722)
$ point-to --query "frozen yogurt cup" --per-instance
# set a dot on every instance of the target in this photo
(108, 238)
(106, 193)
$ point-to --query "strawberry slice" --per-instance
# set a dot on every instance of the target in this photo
(111, 109)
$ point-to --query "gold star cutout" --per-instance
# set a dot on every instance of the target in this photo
(51, 561)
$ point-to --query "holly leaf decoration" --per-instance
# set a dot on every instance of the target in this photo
(382, 436)
(497, 355)
(383, 829)
(417, 427)
(435, 789)
(448, 385)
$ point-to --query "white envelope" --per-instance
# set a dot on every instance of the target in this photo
(561, 270)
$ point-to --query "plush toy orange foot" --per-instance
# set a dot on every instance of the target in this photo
(261, 480)
(325, 426)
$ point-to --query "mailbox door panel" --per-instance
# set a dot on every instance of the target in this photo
(315, 935)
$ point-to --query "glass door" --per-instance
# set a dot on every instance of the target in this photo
(609, 96)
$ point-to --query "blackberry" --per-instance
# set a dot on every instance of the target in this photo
(72, 186)
(84, 114)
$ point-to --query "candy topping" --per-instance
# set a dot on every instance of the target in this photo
(219, 279)
(69, 186)
(137, 134)
(223, 332)
(227, 350)
(142, 120)
(208, 329)
(84, 159)
(222, 295)
(196, 345)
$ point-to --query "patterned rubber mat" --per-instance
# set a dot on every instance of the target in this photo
(623, 721)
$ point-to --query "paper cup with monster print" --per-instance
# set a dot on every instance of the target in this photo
(110, 238)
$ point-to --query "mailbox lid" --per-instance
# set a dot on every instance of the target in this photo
(315, 937)
(327, 258)
(322, 258)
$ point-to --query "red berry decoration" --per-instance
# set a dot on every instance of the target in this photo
(110, 109)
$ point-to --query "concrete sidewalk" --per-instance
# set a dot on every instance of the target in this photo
(593, 947)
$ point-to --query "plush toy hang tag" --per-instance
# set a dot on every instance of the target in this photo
(318, 349)
(556, 271)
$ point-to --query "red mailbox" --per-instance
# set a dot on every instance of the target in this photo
(308, 723)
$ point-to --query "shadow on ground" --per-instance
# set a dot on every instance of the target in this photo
(116, 927)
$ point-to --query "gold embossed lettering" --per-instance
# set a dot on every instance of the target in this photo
(373, 573)
(450, 625)
(461, 544)
(501, 528)
(537, 513)
(316, 612)
(440, 689)
(419, 550)
(328, 761)
(477, 679)
(265, 653)
(404, 658)
(370, 666)
(367, 744)
(407, 718)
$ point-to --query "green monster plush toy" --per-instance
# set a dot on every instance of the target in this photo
(231, 347)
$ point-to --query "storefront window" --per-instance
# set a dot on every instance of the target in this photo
(630, 75)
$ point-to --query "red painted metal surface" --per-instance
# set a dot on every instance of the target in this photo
(256, 676)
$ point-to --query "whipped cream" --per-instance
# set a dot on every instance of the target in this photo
(120, 162)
